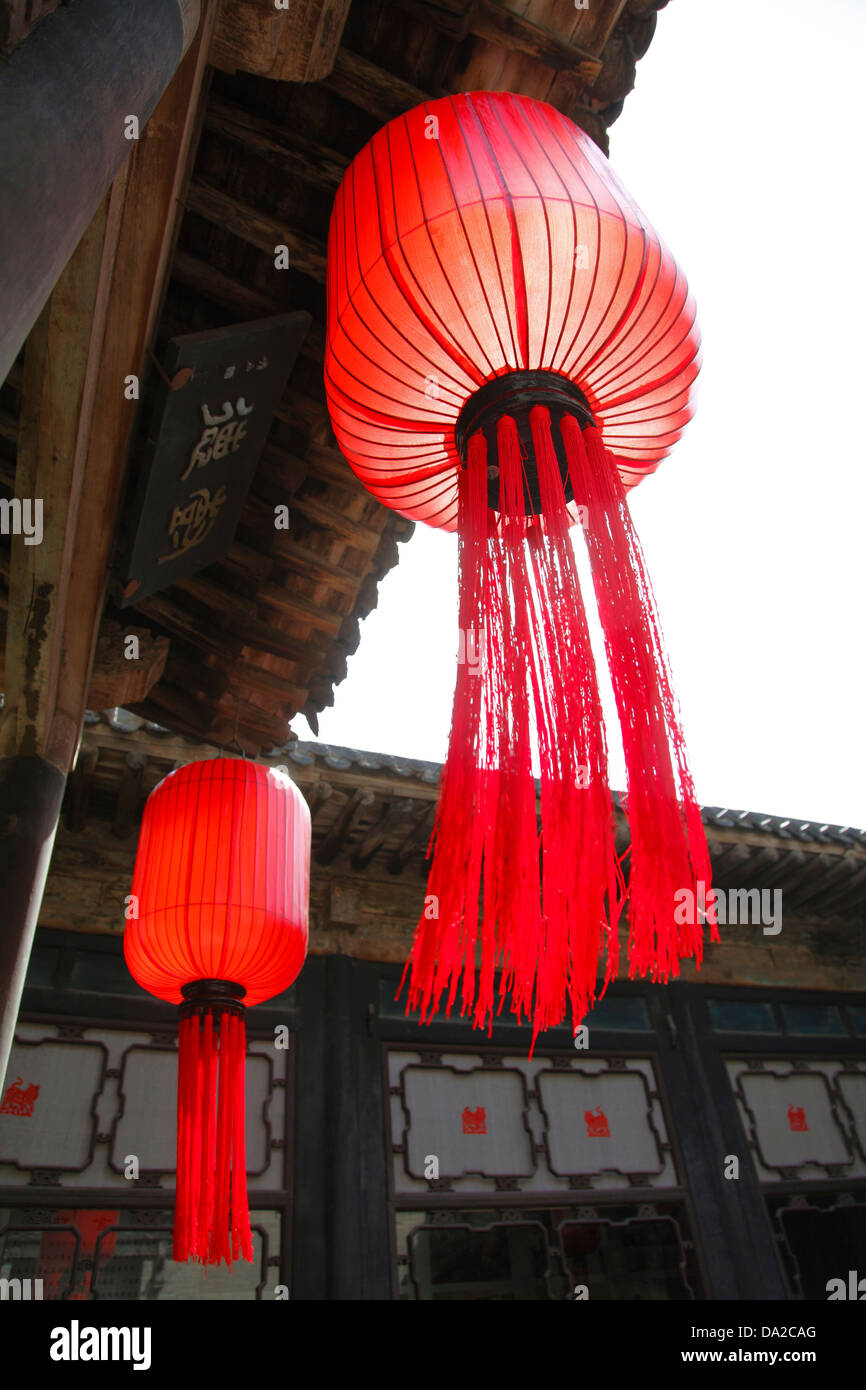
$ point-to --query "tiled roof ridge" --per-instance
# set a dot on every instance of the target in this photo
(340, 757)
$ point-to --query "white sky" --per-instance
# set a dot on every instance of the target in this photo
(744, 144)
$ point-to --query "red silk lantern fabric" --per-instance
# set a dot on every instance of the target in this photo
(486, 233)
(510, 348)
(222, 878)
(219, 921)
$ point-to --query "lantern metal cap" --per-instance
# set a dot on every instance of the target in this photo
(219, 994)
(515, 393)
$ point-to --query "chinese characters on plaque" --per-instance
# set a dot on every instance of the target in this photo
(204, 445)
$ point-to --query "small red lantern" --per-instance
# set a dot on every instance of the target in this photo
(510, 348)
(221, 891)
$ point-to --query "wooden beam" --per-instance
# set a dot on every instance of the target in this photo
(333, 841)
(416, 841)
(501, 26)
(177, 708)
(315, 615)
(279, 475)
(268, 637)
(204, 679)
(293, 153)
(214, 285)
(244, 560)
(380, 784)
(327, 463)
(319, 462)
(78, 789)
(451, 17)
(839, 874)
(168, 749)
(790, 864)
(490, 21)
(205, 636)
(310, 563)
(295, 43)
(161, 750)
(243, 301)
(596, 23)
(129, 797)
(393, 815)
(241, 615)
(362, 536)
(257, 228)
(764, 859)
(236, 720)
(851, 889)
(220, 600)
(257, 728)
(727, 859)
(307, 415)
(372, 88)
(252, 677)
(232, 635)
(329, 20)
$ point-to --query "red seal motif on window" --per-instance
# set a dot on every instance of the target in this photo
(475, 1121)
(597, 1126)
(19, 1100)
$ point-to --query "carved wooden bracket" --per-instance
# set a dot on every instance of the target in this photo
(120, 678)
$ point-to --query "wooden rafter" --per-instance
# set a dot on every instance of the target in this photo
(392, 816)
(333, 841)
(512, 31)
(258, 228)
(373, 89)
(281, 145)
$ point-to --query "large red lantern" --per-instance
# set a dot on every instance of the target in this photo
(220, 901)
(510, 348)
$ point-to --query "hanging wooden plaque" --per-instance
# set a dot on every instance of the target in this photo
(207, 434)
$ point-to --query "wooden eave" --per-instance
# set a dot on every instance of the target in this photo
(373, 814)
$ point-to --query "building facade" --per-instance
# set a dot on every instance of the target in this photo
(704, 1139)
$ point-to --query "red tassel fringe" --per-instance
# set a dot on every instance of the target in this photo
(211, 1221)
(549, 908)
(668, 844)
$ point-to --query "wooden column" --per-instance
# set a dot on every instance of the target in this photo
(31, 791)
(66, 95)
(76, 426)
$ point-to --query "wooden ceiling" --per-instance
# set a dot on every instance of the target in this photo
(267, 632)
